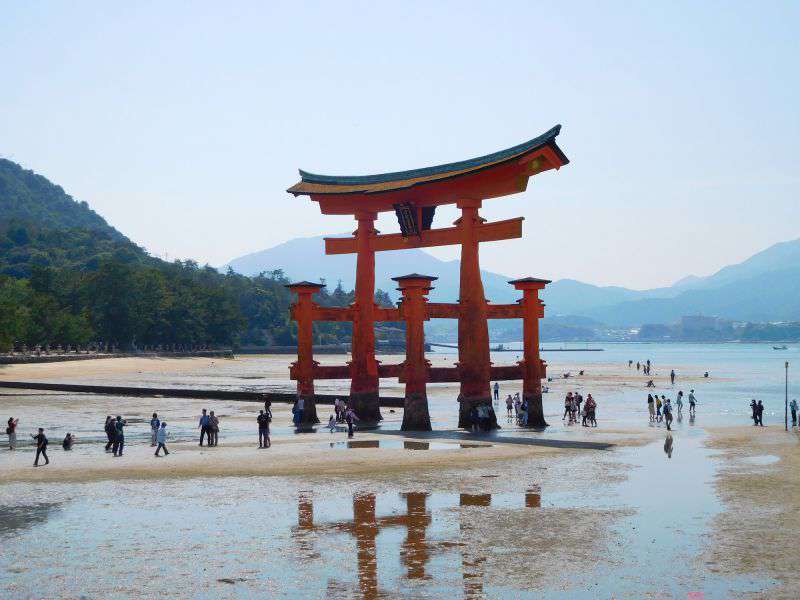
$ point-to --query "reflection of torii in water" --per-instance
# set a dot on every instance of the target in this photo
(365, 527)
(415, 550)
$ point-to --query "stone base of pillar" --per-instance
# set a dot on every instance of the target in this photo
(366, 407)
(535, 411)
(309, 411)
(415, 413)
(465, 408)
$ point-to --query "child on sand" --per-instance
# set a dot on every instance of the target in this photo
(155, 424)
(161, 439)
(69, 439)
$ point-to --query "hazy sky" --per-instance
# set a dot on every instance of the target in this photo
(184, 123)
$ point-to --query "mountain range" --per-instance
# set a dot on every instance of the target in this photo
(763, 288)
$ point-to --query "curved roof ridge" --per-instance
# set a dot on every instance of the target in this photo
(546, 138)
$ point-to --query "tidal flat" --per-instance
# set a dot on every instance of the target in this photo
(622, 511)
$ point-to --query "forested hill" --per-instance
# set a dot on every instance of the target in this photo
(67, 277)
(43, 226)
(28, 197)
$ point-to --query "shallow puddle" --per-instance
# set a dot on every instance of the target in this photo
(764, 459)
(402, 444)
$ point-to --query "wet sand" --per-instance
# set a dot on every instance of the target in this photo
(759, 483)
(589, 537)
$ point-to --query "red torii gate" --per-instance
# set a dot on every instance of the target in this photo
(414, 196)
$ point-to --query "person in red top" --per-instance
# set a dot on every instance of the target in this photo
(11, 430)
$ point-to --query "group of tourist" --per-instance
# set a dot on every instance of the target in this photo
(342, 414)
(481, 418)
(757, 409)
(574, 406)
(39, 438)
(519, 408)
(644, 367)
(209, 427)
(660, 409)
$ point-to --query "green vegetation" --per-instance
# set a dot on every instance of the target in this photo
(67, 277)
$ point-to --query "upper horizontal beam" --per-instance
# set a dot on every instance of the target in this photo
(487, 232)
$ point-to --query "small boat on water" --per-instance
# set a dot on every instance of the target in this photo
(780, 347)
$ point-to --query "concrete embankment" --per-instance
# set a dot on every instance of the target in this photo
(238, 395)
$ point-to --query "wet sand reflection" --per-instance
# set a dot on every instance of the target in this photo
(415, 550)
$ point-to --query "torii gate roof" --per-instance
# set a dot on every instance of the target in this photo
(497, 174)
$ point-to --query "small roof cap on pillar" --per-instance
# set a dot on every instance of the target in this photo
(415, 281)
(529, 282)
(305, 284)
(414, 276)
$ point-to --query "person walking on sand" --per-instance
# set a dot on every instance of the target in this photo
(213, 425)
(591, 411)
(754, 411)
(161, 439)
(299, 408)
(760, 413)
(111, 432)
(336, 409)
(350, 417)
(11, 432)
(119, 436)
(658, 409)
(41, 447)
(672, 376)
(638, 366)
(679, 401)
(263, 429)
(509, 406)
(203, 426)
(793, 408)
(155, 425)
(692, 402)
(332, 424)
(496, 389)
(651, 407)
(567, 405)
(668, 414)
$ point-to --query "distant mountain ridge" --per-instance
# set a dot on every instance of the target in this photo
(304, 258)
(765, 287)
